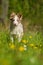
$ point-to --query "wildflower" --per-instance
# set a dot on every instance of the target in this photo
(32, 45)
(12, 46)
(24, 41)
(35, 47)
(25, 47)
(30, 36)
(21, 48)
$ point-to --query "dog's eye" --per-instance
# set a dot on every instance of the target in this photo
(13, 19)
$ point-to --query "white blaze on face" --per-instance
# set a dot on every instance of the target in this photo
(16, 20)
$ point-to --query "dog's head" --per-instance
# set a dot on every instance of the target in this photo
(12, 15)
(16, 18)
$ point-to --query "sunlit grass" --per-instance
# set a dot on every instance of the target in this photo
(28, 52)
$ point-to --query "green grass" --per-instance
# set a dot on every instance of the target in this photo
(32, 55)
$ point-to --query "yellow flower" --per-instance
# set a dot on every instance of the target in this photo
(24, 41)
(32, 45)
(21, 48)
(35, 47)
(30, 36)
(12, 46)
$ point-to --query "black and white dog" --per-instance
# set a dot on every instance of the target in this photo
(17, 27)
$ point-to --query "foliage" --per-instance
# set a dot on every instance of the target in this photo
(31, 9)
(28, 52)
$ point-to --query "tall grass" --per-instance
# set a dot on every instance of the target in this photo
(28, 52)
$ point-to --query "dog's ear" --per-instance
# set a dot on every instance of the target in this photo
(12, 15)
(20, 16)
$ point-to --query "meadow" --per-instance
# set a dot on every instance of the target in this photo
(28, 52)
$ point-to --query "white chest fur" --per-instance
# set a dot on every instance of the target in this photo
(18, 31)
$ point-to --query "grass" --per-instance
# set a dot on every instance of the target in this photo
(28, 52)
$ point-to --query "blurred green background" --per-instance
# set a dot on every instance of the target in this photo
(32, 11)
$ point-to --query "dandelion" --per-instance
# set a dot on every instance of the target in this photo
(21, 48)
(35, 47)
(25, 47)
(30, 36)
(12, 46)
(24, 41)
(32, 45)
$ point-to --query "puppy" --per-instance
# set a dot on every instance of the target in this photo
(17, 28)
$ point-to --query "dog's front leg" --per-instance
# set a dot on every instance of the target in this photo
(12, 40)
(19, 38)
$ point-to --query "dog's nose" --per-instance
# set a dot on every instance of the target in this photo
(14, 24)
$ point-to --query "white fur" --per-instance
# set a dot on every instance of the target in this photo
(18, 30)
(15, 20)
